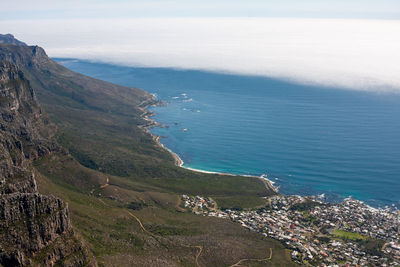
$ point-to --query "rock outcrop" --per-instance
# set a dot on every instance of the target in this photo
(35, 229)
(10, 39)
(29, 56)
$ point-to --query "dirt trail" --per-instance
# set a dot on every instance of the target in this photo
(198, 254)
(146, 231)
(106, 184)
(239, 263)
(151, 234)
(140, 223)
(178, 206)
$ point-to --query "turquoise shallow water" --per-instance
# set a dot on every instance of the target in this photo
(309, 140)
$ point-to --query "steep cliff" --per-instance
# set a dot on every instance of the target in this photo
(10, 39)
(56, 84)
(101, 125)
(34, 229)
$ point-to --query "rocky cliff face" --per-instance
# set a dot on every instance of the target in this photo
(22, 55)
(23, 135)
(34, 229)
(55, 84)
(10, 39)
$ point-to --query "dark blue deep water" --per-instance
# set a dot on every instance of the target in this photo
(309, 140)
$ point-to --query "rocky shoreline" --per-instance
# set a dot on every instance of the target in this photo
(150, 123)
(346, 229)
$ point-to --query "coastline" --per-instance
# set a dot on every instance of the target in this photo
(180, 163)
(147, 114)
(300, 185)
(269, 185)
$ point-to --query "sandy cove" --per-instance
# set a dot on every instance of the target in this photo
(178, 161)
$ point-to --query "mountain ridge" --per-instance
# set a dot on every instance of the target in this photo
(30, 222)
(113, 174)
(10, 39)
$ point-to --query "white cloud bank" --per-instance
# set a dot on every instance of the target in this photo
(355, 54)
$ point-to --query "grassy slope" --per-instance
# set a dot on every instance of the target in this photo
(98, 124)
(115, 237)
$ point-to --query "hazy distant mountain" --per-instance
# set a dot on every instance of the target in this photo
(10, 39)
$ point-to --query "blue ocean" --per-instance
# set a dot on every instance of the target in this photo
(309, 140)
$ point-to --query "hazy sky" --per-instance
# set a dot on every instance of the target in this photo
(347, 43)
(40, 9)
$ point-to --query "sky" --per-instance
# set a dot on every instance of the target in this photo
(345, 43)
(41, 9)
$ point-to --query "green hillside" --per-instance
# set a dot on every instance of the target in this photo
(122, 188)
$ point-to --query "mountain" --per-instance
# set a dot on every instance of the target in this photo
(35, 228)
(80, 168)
(10, 39)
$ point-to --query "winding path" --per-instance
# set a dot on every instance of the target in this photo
(146, 231)
(151, 234)
(239, 263)
(106, 184)
(198, 254)
(140, 223)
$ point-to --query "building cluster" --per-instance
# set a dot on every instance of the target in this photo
(349, 233)
(199, 205)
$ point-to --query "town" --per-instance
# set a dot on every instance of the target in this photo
(318, 233)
